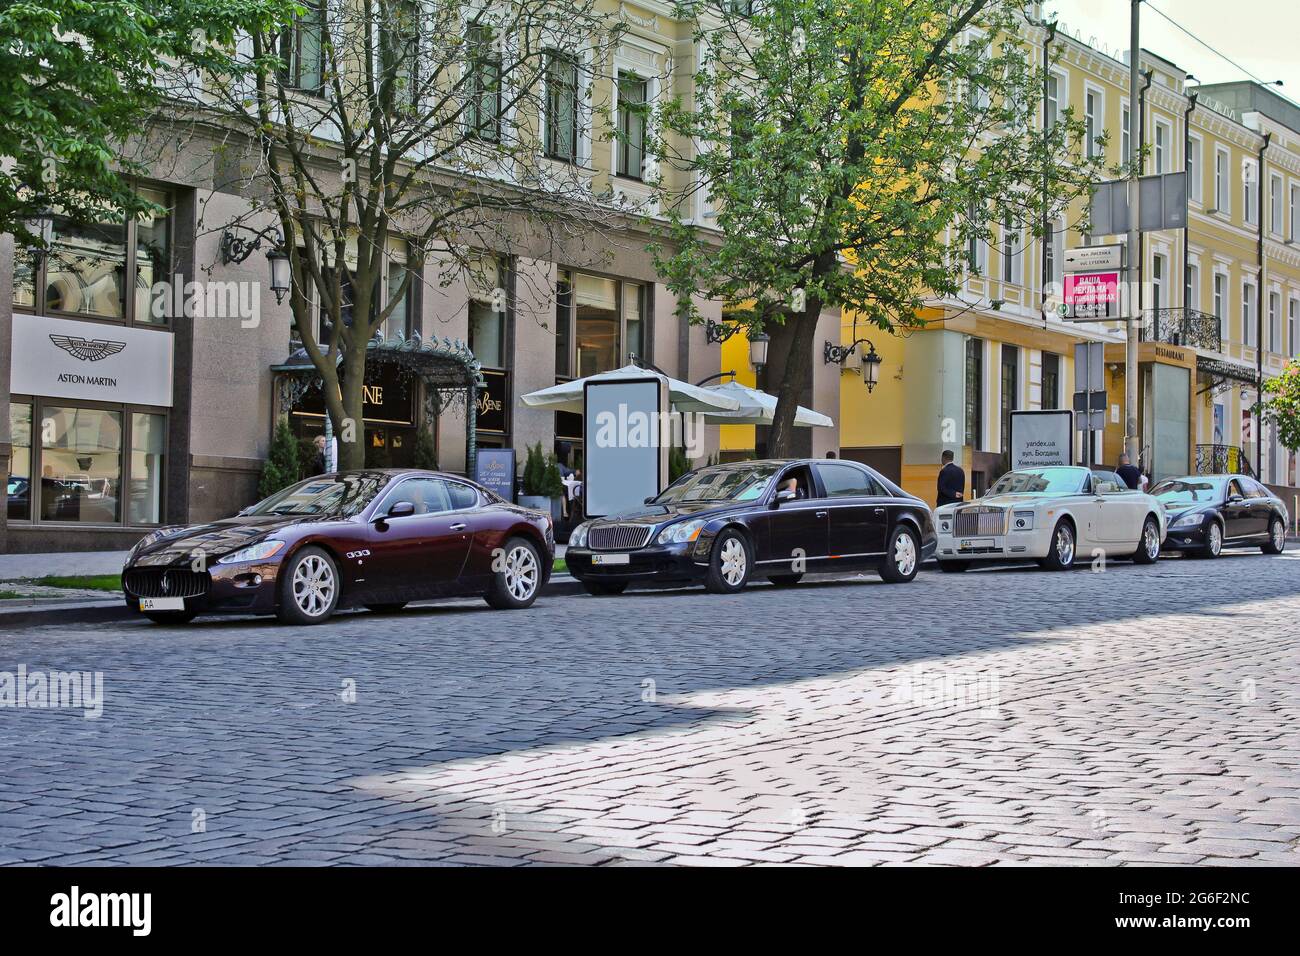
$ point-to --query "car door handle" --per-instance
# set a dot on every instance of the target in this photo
(880, 511)
(458, 526)
(822, 514)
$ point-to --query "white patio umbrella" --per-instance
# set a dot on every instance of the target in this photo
(682, 396)
(759, 408)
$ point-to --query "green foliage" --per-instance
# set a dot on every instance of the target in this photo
(282, 466)
(677, 463)
(424, 453)
(1281, 405)
(542, 474)
(78, 80)
(552, 484)
(845, 132)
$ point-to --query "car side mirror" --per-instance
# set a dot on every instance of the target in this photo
(650, 500)
(402, 509)
(783, 496)
(1235, 499)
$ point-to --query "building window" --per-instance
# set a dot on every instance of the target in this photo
(1295, 212)
(1221, 201)
(1126, 136)
(1274, 322)
(600, 323)
(1051, 247)
(1053, 99)
(74, 474)
(1249, 192)
(398, 322)
(1158, 270)
(488, 312)
(1010, 381)
(1293, 325)
(562, 117)
(1192, 293)
(1010, 250)
(1092, 128)
(1161, 154)
(1220, 296)
(84, 274)
(975, 393)
(1248, 314)
(632, 97)
(1275, 205)
(483, 96)
(1194, 172)
(302, 52)
(976, 250)
(1051, 380)
(406, 40)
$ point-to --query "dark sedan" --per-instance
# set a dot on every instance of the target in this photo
(726, 524)
(377, 539)
(1210, 512)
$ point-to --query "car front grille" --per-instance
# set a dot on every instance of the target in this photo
(619, 537)
(167, 582)
(980, 521)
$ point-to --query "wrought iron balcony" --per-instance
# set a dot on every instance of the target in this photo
(1221, 460)
(1183, 327)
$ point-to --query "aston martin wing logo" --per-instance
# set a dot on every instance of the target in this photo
(88, 351)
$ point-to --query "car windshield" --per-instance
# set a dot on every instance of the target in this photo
(1175, 491)
(719, 484)
(1061, 481)
(335, 495)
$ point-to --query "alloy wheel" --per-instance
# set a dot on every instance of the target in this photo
(1151, 540)
(1216, 540)
(1064, 545)
(733, 561)
(313, 585)
(1279, 535)
(904, 553)
(521, 572)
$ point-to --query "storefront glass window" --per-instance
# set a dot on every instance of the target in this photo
(86, 269)
(563, 317)
(148, 446)
(597, 325)
(20, 462)
(633, 309)
(152, 259)
(25, 277)
(487, 326)
(81, 464)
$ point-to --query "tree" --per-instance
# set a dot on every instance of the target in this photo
(1281, 405)
(418, 121)
(847, 148)
(283, 465)
(79, 78)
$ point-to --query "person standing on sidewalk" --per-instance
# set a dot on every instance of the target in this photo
(952, 481)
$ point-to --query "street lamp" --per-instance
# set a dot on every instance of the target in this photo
(871, 367)
(279, 260)
(758, 350)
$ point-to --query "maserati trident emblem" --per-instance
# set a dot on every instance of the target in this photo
(166, 583)
(88, 351)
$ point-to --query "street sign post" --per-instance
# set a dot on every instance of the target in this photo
(1092, 283)
(1089, 393)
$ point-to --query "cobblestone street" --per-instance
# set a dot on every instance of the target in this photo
(1140, 715)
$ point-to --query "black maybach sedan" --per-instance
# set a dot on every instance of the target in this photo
(724, 525)
(1208, 513)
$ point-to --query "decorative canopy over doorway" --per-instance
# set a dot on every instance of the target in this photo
(448, 370)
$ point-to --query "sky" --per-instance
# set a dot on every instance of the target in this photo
(1258, 35)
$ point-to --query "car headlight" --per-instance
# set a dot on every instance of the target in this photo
(1022, 521)
(682, 531)
(254, 552)
(945, 522)
(578, 536)
(153, 537)
(1188, 521)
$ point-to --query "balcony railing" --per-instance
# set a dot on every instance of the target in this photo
(1221, 460)
(1183, 327)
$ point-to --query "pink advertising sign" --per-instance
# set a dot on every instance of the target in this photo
(1092, 295)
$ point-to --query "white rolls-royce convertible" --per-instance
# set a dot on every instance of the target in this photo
(1052, 515)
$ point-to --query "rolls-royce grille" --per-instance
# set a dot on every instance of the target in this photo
(619, 537)
(981, 521)
(167, 582)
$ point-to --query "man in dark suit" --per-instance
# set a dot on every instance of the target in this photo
(952, 481)
(1128, 471)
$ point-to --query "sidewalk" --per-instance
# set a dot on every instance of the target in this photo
(15, 566)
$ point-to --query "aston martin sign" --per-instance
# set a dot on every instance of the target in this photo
(95, 361)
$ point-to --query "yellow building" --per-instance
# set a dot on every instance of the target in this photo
(1000, 346)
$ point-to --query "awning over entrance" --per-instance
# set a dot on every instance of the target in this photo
(1222, 371)
(448, 370)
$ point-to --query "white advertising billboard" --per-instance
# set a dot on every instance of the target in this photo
(1042, 437)
(96, 361)
(626, 443)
